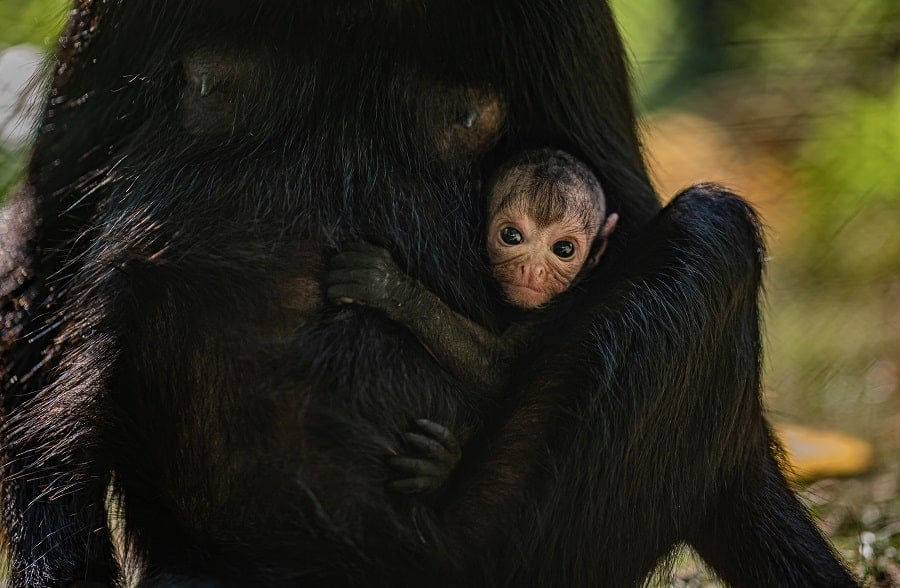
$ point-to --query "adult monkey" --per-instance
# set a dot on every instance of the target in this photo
(163, 329)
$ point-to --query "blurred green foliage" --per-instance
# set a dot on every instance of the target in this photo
(11, 162)
(849, 37)
(36, 22)
(849, 167)
(854, 156)
(815, 82)
(651, 33)
(33, 22)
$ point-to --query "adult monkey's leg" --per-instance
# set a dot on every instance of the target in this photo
(758, 534)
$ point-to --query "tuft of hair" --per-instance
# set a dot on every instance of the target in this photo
(551, 186)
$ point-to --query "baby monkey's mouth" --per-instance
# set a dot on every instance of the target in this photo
(525, 296)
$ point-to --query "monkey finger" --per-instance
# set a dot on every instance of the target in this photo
(373, 254)
(385, 444)
(352, 289)
(345, 294)
(356, 275)
(412, 465)
(428, 445)
(351, 260)
(440, 433)
(414, 485)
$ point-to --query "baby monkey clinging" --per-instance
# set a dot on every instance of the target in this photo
(546, 223)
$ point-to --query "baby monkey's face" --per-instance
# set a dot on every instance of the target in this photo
(535, 262)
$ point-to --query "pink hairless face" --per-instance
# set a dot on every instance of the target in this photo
(535, 261)
(534, 264)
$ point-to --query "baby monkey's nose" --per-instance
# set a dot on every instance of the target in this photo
(531, 273)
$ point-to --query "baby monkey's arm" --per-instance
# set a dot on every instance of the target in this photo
(366, 274)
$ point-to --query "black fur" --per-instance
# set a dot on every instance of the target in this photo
(163, 330)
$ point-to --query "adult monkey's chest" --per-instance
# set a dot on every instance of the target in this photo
(349, 107)
(374, 143)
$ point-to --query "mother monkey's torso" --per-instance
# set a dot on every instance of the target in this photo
(197, 164)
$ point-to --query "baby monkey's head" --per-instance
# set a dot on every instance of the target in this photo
(546, 221)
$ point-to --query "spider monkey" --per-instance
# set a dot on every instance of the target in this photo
(166, 338)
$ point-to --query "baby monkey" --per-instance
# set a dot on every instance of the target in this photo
(547, 224)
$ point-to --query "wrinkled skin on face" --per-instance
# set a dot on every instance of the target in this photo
(535, 259)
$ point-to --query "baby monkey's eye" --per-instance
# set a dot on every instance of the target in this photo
(564, 249)
(511, 236)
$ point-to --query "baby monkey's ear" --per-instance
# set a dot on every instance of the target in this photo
(602, 239)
